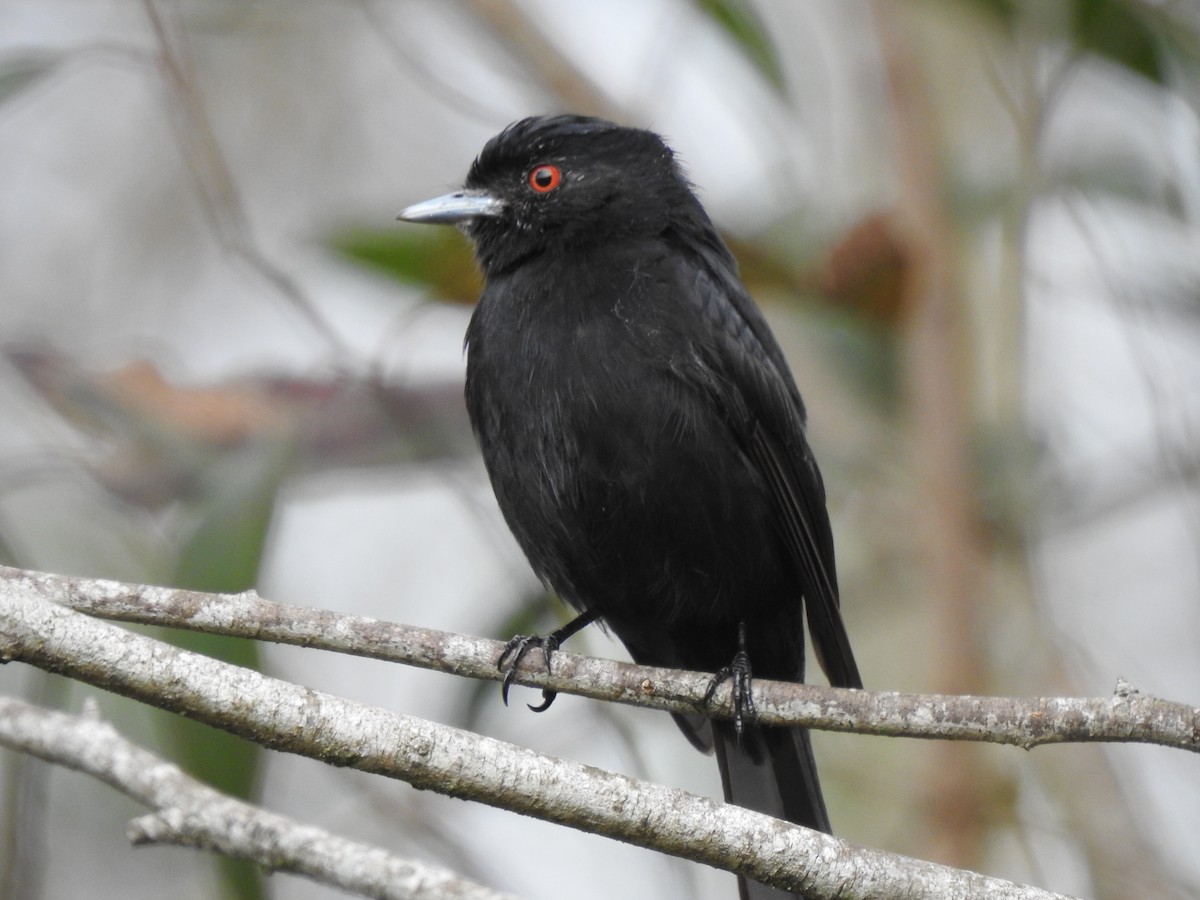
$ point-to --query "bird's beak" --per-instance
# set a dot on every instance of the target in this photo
(451, 208)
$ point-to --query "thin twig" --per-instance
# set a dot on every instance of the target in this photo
(216, 186)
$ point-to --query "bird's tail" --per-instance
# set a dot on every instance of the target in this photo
(772, 771)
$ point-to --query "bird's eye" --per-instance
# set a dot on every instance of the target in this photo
(544, 179)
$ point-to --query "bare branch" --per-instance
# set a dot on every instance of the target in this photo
(1125, 717)
(216, 186)
(287, 717)
(189, 813)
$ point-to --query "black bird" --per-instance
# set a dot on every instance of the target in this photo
(643, 434)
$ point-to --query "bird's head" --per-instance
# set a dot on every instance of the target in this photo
(561, 182)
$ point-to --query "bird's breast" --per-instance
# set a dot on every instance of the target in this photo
(612, 459)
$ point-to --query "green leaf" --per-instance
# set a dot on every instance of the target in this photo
(740, 21)
(224, 553)
(224, 550)
(1004, 11)
(438, 258)
(1134, 34)
(222, 760)
(1122, 32)
(20, 72)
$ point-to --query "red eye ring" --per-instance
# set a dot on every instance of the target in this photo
(545, 178)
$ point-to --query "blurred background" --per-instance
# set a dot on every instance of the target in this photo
(974, 225)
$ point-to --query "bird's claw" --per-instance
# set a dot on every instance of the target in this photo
(739, 676)
(517, 649)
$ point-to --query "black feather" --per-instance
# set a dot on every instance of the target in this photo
(642, 431)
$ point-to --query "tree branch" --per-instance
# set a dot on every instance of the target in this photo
(1125, 717)
(287, 717)
(189, 813)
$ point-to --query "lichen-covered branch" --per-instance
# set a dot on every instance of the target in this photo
(1126, 716)
(189, 813)
(284, 716)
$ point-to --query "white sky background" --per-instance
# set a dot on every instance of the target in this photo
(105, 252)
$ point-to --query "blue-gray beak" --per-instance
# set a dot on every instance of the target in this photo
(451, 208)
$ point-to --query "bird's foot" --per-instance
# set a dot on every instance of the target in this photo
(739, 675)
(516, 650)
(518, 647)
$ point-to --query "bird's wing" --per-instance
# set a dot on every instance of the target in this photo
(757, 390)
(806, 525)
